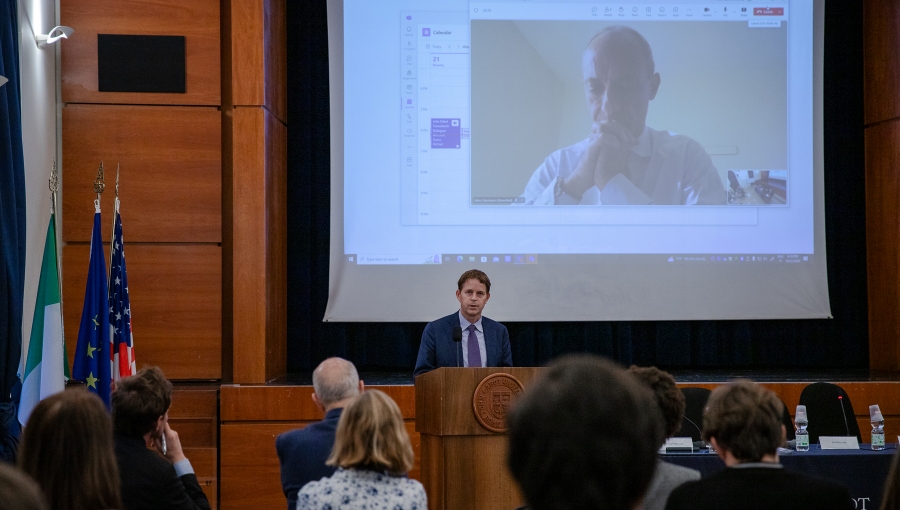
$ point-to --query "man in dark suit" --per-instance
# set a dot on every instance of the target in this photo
(156, 479)
(302, 452)
(743, 423)
(485, 343)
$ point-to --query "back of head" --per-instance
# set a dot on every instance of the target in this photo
(67, 447)
(584, 437)
(335, 379)
(371, 435)
(668, 396)
(745, 419)
(18, 491)
(139, 400)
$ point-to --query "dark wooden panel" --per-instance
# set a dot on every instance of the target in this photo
(882, 253)
(195, 403)
(204, 460)
(276, 58)
(249, 246)
(259, 55)
(476, 474)
(276, 246)
(259, 254)
(197, 20)
(249, 471)
(881, 50)
(176, 302)
(171, 171)
(199, 432)
(293, 403)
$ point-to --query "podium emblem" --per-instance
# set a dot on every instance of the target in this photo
(492, 399)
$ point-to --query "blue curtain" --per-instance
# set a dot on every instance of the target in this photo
(12, 226)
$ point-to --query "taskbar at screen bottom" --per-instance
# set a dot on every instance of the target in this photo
(572, 259)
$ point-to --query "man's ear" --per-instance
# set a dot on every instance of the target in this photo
(315, 400)
(362, 386)
(654, 85)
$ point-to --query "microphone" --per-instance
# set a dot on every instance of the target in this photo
(701, 443)
(847, 427)
(457, 337)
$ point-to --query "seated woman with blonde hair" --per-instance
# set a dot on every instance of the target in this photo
(373, 454)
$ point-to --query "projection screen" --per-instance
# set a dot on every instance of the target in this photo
(599, 161)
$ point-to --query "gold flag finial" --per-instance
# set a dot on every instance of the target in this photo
(117, 180)
(99, 184)
(54, 178)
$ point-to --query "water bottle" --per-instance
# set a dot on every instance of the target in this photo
(802, 435)
(877, 427)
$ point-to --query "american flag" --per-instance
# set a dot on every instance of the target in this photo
(122, 352)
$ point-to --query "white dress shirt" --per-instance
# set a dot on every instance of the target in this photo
(479, 334)
(664, 169)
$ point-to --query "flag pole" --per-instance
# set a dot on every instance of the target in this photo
(112, 237)
(54, 189)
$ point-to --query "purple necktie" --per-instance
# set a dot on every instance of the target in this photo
(474, 351)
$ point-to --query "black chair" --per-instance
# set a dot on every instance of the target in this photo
(694, 404)
(787, 422)
(826, 417)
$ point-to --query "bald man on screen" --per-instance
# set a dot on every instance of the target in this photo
(623, 161)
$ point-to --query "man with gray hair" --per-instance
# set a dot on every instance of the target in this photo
(303, 452)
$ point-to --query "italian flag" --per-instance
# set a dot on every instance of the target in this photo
(46, 369)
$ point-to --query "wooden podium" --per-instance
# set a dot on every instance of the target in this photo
(463, 463)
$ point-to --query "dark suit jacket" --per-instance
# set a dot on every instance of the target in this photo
(439, 350)
(760, 489)
(303, 452)
(149, 482)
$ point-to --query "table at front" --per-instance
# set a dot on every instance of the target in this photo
(863, 471)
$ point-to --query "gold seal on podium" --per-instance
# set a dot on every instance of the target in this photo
(493, 397)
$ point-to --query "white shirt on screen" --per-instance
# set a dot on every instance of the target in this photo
(665, 169)
(479, 334)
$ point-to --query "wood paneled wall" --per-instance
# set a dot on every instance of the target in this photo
(170, 181)
(255, 134)
(194, 415)
(253, 416)
(882, 133)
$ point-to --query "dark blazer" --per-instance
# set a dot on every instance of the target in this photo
(760, 488)
(302, 454)
(149, 481)
(439, 350)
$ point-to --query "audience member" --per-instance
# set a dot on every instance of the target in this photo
(671, 405)
(161, 477)
(18, 491)
(67, 447)
(891, 498)
(584, 436)
(373, 454)
(303, 452)
(743, 422)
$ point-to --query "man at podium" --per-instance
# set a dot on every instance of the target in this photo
(465, 338)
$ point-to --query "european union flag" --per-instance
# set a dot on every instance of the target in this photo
(92, 355)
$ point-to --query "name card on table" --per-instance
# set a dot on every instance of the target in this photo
(838, 443)
(678, 444)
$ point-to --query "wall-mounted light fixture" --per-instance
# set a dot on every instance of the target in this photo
(3, 80)
(55, 34)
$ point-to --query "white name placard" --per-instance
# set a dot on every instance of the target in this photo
(678, 444)
(839, 443)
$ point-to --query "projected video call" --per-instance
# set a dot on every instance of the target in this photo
(624, 113)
